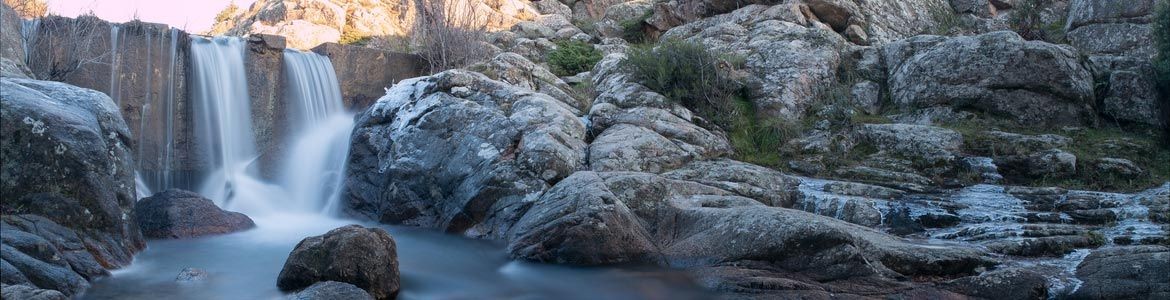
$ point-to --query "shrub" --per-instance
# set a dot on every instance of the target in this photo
(689, 73)
(634, 30)
(572, 57)
(227, 13)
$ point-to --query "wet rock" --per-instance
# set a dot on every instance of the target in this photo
(177, 214)
(862, 190)
(189, 275)
(364, 73)
(25, 292)
(364, 257)
(997, 72)
(1011, 283)
(1054, 246)
(899, 180)
(331, 290)
(1133, 272)
(984, 166)
(459, 152)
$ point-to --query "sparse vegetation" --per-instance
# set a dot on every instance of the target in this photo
(687, 72)
(946, 20)
(634, 30)
(449, 33)
(227, 13)
(69, 44)
(572, 57)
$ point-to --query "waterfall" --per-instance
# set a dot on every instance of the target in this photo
(223, 125)
(169, 119)
(28, 37)
(314, 167)
(311, 171)
(115, 29)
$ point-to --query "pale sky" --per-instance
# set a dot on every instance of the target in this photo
(191, 15)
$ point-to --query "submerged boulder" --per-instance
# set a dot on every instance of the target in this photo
(364, 257)
(177, 214)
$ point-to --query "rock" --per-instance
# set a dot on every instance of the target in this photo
(189, 275)
(1125, 272)
(931, 116)
(999, 143)
(1132, 97)
(617, 15)
(1120, 167)
(836, 13)
(25, 292)
(862, 190)
(1053, 163)
(998, 73)
(533, 30)
(364, 257)
(518, 71)
(768, 186)
(788, 63)
(331, 290)
(899, 180)
(867, 95)
(624, 147)
(178, 214)
(981, 8)
(856, 35)
(925, 145)
(1010, 283)
(459, 152)
(67, 177)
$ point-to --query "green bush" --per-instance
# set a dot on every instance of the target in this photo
(634, 30)
(689, 73)
(572, 57)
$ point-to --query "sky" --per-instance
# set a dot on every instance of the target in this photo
(191, 15)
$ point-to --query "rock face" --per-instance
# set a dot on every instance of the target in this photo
(364, 257)
(263, 68)
(998, 73)
(68, 187)
(1128, 272)
(177, 214)
(365, 73)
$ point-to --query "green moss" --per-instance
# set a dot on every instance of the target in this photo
(572, 57)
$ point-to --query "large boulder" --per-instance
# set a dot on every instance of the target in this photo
(999, 73)
(460, 152)
(364, 257)
(1116, 38)
(177, 214)
(1138, 272)
(613, 217)
(926, 145)
(25, 292)
(68, 179)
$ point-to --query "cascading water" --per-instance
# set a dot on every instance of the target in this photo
(223, 127)
(28, 37)
(313, 171)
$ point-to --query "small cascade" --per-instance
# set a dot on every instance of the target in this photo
(223, 124)
(313, 170)
(168, 156)
(28, 37)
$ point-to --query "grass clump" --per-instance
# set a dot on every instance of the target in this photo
(690, 74)
(572, 57)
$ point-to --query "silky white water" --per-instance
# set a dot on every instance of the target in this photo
(223, 119)
(313, 171)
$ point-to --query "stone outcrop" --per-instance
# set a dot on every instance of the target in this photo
(1128, 272)
(366, 73)
(176, 214)
(998, 73)
(68, 185)
(1117, 40)
(363, 257)
(460, 152)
